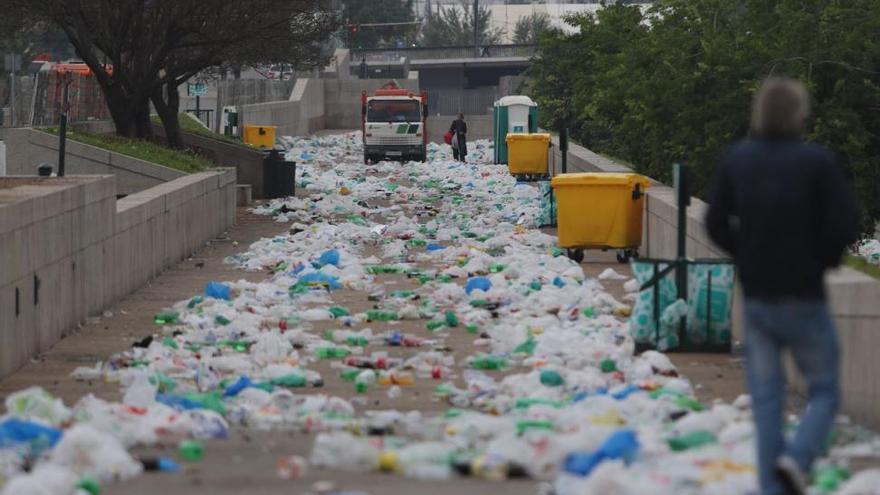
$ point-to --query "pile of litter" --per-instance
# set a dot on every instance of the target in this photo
(382, 270)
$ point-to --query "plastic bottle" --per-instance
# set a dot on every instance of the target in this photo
(331, 352)
(488, 362)
(377, 315)
(166, 318)
(551, 378)
(691, 440)
(191, 450)
(451, 319)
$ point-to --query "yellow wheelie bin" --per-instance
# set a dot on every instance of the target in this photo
(600, 211)
(259, 136)
(528, 154)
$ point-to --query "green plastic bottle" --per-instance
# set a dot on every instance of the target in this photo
(331, 352)
(195, 301)
(496, 268)
(527, 402)
(89, 484)
(535, 285)
(170, 342)
(608, 366)
(378, 315)
(829, 478)
(435, 325)
(191, 450)
(350, 375)
(488, 362)
(471, 328)
(221, 320)
(691, 440)
(451, 319)
(166, 318)
(589, 312)
(338, 311)
(527, 347)
(292, 380)
(551, 378)
(357, 340)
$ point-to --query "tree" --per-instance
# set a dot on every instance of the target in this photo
(528, 29)
(454, 26)
(358, 12)
(675, 83)
(141, 52)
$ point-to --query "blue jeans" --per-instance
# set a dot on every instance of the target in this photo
(806, 329)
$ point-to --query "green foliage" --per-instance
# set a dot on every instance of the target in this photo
(184, 161)
(454, 26)
(675, 83)
(378, 11)
(188, 124)
(528, 29)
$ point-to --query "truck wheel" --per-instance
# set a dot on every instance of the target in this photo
(576, 255)
(367, 158)
(423, 157)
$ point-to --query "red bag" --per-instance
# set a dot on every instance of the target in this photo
(447, 138)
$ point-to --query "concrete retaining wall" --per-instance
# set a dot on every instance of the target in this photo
(247, 162)
(303, 112)
(28, 148)
(69, 249)
(342, 99)
(854, 296)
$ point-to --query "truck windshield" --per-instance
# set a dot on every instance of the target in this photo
(393, 111)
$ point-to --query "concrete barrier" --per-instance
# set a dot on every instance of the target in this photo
(28, 148)
(342, 99)
(302, 113)
(247, 161)
(69, 249)
(853, 295)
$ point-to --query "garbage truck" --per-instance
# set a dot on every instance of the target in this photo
(393, 121)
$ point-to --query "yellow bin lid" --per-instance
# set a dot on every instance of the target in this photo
(600, 179)
(515, 136)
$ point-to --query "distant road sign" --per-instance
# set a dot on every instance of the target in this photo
(197, 89)
(12, 62)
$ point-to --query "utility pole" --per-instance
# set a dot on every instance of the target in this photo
(476, 30)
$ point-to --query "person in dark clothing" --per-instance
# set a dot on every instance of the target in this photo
(459, 138)
(784, 210)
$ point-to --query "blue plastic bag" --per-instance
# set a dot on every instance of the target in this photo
(478, 283)
(434, 247)
(17, 431)
(330, 257)
(242, 383)
(218, 291)
(622, 444)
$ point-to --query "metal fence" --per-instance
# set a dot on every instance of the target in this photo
(85, 97)
(442, 52)
(467, 101)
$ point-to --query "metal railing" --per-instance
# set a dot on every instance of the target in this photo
(440, 52)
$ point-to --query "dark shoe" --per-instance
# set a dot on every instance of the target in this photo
(789, 474)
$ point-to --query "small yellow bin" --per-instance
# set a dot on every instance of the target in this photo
(600, 210)
(527, 153)
(259, 136)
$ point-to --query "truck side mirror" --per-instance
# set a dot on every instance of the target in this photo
(425, 111)
(363, 110)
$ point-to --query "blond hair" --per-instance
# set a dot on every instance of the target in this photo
(780, 109)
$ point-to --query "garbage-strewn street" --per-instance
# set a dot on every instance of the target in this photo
(391, 326)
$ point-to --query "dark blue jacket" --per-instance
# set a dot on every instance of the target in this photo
(785, 211)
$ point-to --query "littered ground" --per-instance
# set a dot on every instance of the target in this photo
(245, 463)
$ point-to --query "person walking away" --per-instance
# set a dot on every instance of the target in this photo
(459, 138)
(784, 210)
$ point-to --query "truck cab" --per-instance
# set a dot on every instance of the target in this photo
(394, 122)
